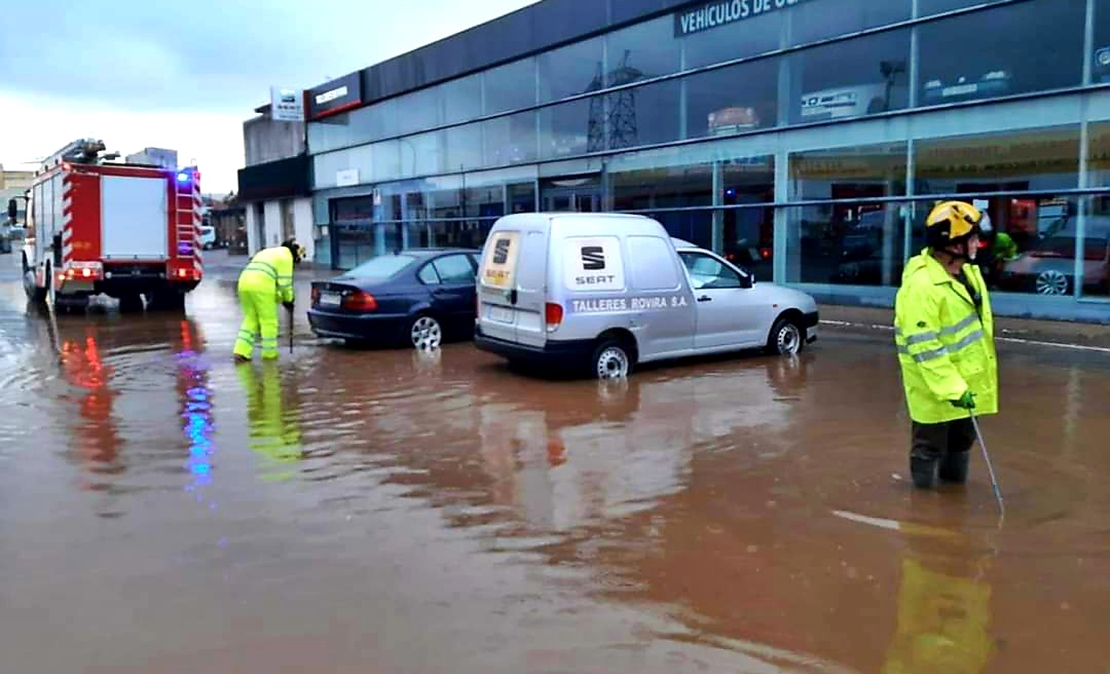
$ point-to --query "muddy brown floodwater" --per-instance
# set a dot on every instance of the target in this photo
(162, 510)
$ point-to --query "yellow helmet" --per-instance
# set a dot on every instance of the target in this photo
(951, 222)
(295, 248)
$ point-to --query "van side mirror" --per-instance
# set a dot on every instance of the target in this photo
(13, 209)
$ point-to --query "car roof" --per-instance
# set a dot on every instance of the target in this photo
(433, 252)
(683, 243)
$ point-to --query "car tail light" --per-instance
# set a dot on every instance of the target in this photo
(553, 316)
(360, 301)
(315, 295)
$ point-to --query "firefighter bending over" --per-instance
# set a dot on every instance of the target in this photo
(266, 281)
(945, 338)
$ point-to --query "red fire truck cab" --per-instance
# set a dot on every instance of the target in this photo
(123, 230)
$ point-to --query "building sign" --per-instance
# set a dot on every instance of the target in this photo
(723, 12)
(346, 177)
(286, 105)
(335, 96)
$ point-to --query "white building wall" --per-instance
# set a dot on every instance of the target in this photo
(273, 224)
(302, 222)
(252, 231)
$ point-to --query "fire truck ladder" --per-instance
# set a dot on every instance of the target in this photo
(188, 205)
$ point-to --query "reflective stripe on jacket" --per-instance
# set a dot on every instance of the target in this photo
(270, 268)
(945, 347)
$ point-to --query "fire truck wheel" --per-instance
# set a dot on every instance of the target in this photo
(35, 295)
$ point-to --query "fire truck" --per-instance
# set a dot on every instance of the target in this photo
(98, 226)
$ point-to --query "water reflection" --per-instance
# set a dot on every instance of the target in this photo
(944, 608)
(96, 441)
(273, 430)
(196, 400)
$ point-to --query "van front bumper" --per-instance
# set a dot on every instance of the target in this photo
(552, 353)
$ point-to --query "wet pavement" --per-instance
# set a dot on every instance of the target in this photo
(162, 510)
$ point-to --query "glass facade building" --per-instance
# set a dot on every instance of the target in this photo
(804, 139)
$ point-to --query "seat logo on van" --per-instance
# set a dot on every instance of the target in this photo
(501, 251)
(593, 258)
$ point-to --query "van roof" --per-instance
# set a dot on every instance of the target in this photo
(552, 215)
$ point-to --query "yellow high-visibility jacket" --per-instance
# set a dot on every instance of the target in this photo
(271, 269)
(945, 346)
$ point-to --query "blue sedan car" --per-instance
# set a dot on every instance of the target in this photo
(415, 297)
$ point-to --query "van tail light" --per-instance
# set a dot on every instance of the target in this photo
(553, 316)
(360, 301)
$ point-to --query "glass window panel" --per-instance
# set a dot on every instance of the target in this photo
(571, 70)
(1100, 71)
(812, 21)
(994, 57)
(522, 198)
(1096, 247)
(510, 87)
(427, 274)
(709, 273)
(484, 202)
(326, 167)
(387, 159)
(1044, 159)
(1029, 245)
(647, 190)
(464, 147)
(748, 37)
(866, 171)
(928, 7)
(332, 133)
(644, 115)
(420, 110)
(732, 100)
(643, 51)
(462, 99)
(850, 79)
(748, 234)
(455, 269)
(424, 154)
(565, 129)
(1098, 155)
(510, 140)
(846, 243)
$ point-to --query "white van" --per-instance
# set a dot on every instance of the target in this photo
(607, 291)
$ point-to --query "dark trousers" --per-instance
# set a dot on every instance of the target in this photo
(933, 441)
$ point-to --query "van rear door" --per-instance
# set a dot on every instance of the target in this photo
(531, 287)
(496, 282)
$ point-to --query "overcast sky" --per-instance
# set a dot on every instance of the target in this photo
(184, 75)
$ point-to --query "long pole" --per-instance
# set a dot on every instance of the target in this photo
(990, 466)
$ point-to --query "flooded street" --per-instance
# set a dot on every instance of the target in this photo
(163, 510)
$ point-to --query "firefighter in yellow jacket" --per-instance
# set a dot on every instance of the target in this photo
(945, 338)
(266, 282)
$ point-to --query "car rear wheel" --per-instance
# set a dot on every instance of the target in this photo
(611, 360)
(426, 333)
(786, 338)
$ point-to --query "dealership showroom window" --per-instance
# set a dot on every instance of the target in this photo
(808, 144)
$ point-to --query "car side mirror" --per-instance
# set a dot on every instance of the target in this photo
(13, 209)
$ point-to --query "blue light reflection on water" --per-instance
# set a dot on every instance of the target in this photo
(198, 423)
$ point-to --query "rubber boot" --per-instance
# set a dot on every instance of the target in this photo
(954, 467)
(924, 471)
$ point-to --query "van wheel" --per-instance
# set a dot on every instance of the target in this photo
(785, 338)
(611, 360)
